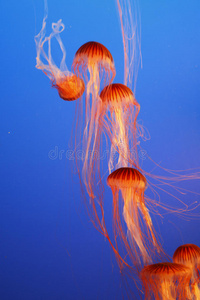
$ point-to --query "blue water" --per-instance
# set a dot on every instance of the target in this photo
(48, 247)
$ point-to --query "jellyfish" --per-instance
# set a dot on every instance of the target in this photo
(138, 236)
(118, 115)
(94, 64)
(70, 87)
(166, 281)
(189, 255)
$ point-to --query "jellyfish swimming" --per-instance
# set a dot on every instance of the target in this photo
(166, 281)
(189, 255)
(118, 121)
(94, 64)
(119, 108)
(70, 87)
(138, 236)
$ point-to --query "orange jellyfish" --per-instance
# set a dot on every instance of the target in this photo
(69, 86)
(189, 255)
(94, 64)
(118, 115)
(138, 235)
(166, 281)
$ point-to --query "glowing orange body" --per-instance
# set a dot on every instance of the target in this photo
(96, 59)
(166, 281)
(189, 255)
(118, 115)
(141, 242)
(69, 86)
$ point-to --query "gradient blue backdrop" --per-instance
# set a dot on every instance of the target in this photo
(48, 247)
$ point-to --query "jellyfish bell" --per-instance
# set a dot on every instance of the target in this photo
(164, 270)
(117, 94)
(70, 87)
(166, 281)
(127, 178)
(95, 58)
(189, 255)
(141, 243)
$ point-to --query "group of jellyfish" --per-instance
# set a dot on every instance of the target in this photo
(109, 110)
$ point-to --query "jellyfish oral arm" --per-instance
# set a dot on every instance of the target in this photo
(130, 213)
(167, 290)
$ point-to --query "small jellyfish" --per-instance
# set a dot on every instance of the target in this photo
(138, 238)
(166, 281)
(189, 255)
(69, 86)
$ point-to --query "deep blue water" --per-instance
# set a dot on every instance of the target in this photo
(48, 247)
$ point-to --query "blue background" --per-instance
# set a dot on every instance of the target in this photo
(48, 247)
